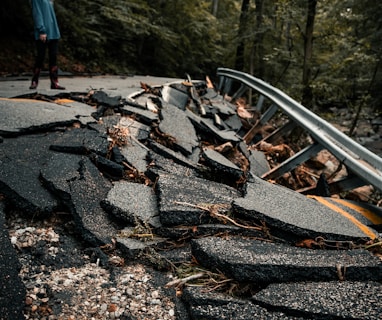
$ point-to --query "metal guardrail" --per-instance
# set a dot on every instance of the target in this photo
(360, 161)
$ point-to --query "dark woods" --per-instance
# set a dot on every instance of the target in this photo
(325, 53)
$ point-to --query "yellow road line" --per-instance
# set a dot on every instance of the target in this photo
(63, 101)
(21, 99)
(365, 229)
(57, 101)
(370, 215)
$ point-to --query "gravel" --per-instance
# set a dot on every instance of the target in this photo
(67, 280)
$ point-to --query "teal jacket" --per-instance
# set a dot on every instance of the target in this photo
(44, 18)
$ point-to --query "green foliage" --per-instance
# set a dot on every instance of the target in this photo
(172, 37)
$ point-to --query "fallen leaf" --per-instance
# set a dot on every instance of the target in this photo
(308, 243)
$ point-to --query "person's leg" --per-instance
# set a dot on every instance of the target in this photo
(53, 69)
(39, 62)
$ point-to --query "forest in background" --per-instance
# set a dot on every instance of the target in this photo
(323, 53)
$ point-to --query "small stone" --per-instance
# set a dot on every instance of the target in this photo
(14, 240)
(155, 294)
(112, 307)
(33, 296)
(67, 282)
(28, 301)
(155, 301)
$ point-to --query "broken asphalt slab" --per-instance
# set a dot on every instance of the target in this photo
(324, 300)
(79, 185)
(81, 161)
(175, 123)
(182, 199)
(133, 202)
(19, 171)
(26, 115)
(253, 261)
(290, 212)
(212, 306)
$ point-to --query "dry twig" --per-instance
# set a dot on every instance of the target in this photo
(181, 282)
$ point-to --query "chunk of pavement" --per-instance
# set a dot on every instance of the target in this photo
(175, 123)
(325, 300)
(105, 124)
(181, 199)
(292, 212)
(27, 116)
(135, 155)
(83, 116)
(135, 152)
(101, 97)
(233, 122)
(110, 168)
(12, 293)
(221, 164)
(137, 130)
(208, 127)
(212, 94)
(217, 306)
(134, 242)
(132, 202)
(171, 154)
(174, 96)
(81, 141)
(20, 161)
(258, 163)
(159, 164)
(81, 187)
(262, 262)
(143, 100)
(144, 116)
(223, 106)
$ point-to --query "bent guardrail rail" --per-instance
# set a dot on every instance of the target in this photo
(363, 163)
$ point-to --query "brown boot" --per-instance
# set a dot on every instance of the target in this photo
(53, 72)
(36, 75)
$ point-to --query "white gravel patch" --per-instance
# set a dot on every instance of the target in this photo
(88, 290)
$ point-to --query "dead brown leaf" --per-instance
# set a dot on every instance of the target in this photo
(225, 147)
(149, 89)
(209, 83)
(308, 243)
(281, 152)
(243, 113)
(119, 135)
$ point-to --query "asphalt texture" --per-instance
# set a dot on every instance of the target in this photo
(12, 294)
(44, 167)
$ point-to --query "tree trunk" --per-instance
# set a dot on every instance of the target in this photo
(239, 63)
(363, 101)
(215, 6)
(257, 65)
(307, 94)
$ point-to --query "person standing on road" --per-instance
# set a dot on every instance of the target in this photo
(47, 34)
